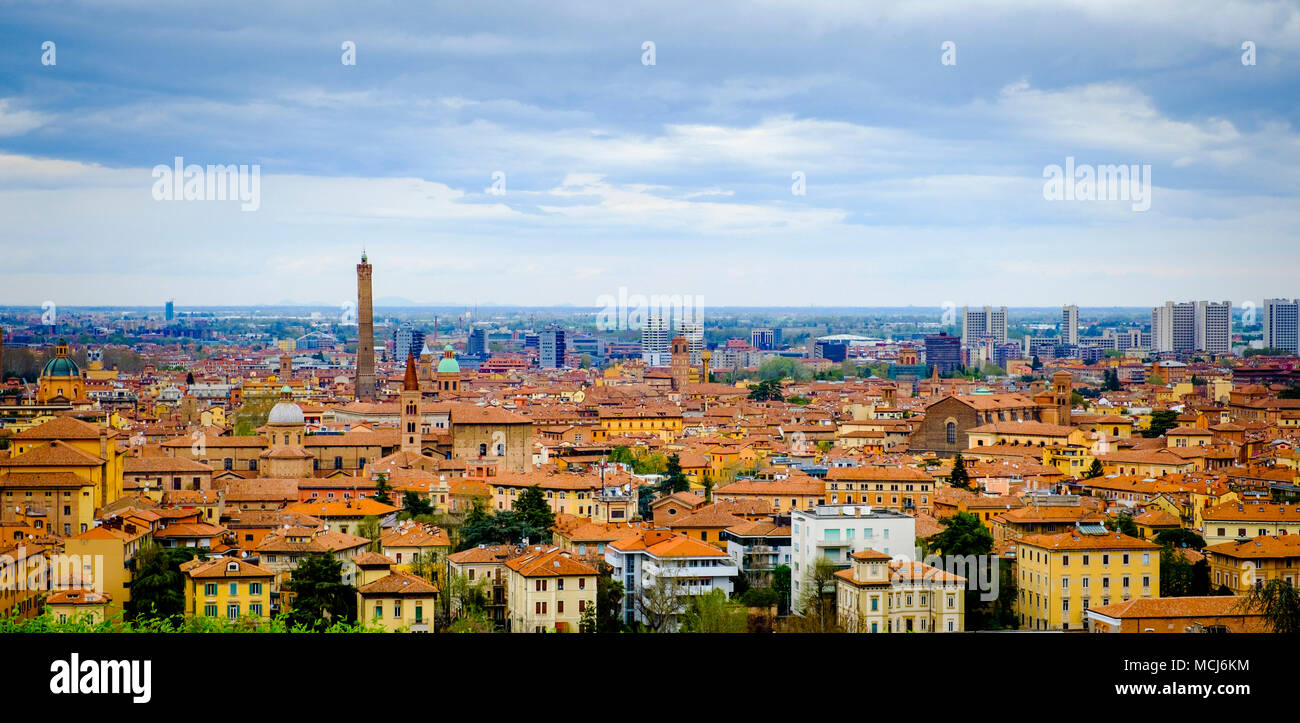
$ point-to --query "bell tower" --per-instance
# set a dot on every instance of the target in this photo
(411, 435)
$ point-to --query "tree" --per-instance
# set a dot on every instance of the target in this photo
(712, 612)
(413, 505)
(962, 534)
(158, 585)
(676, 481)
(535, 511)
(382, 488)
(606, 616)
(1180, 537)
(959, 478)
(817, 603)
(1095, 470)
(660, 603)
(1156, 380)
(370, 528)
(321, 598)
(1111, 382)
(1278, 602)
(189, 379)
(781, 584)
(1161, 421)
(1123, 522)
(768, 390)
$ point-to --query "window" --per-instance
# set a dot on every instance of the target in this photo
(232, 611)
(210, 611)
(952, 432)
(234, 588)
(559, 584)
(582, 584)
(379, 611)
(254, 588)
(338, 463)
(559, 607)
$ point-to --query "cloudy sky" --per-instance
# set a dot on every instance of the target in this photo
(924, 181)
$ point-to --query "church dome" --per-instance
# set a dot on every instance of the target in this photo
(61, 365)
(286, 413)
(448, 363)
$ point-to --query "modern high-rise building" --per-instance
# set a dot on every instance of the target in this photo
(1214, 326)
(986, 322)
(1070, 325)
(1192, 326)
(365, 381)
(551, 348)
(943, 352)
(1282, 324)
(694, 333)
(654, 340)
(767, 339)
(478, 343)
(170, 312)
(407, 341)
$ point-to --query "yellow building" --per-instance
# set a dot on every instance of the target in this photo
(67, 445)
(880, 595)
(226, 587)
(1241, 565)
(1060, 576)
(1236, 520)
(1072, 460)
(116, 548)
(548, 592)
(85, 606)
(663, 420)
(398, 602)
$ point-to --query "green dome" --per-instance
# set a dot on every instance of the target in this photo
(449, 364)
(61, 366)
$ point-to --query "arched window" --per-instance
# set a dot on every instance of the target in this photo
(952, 432)
(482, 450)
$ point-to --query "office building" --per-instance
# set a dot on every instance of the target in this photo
(943, 352)
(767, 339)
(1214, 326)
(478, 343)
(407, 341)
(551, 348)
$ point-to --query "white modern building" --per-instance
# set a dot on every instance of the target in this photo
(835, 532)
(986, 322)
(1192, 326)
(1070, 325)
(653, 560)
(654, 341)
(1282, 324)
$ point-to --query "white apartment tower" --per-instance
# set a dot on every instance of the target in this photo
(654, 340)
(1070, 325)
(1192, 326)
(1282, 324)
(986, 322)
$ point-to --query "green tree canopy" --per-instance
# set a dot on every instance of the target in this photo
(321, 599)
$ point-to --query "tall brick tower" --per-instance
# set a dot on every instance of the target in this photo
(365, 386)
(411, 435)
(679, 363)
